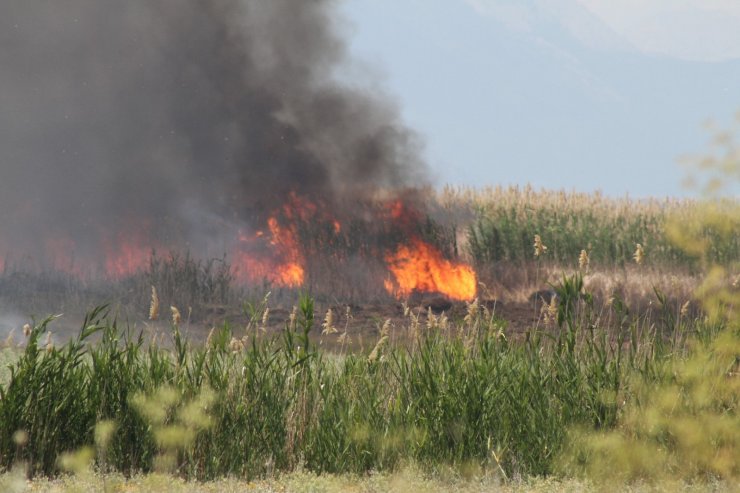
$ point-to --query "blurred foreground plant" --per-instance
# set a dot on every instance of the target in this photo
(685, 426)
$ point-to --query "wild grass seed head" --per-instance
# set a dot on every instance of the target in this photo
(236, 345)
(473, 311)
(431, 319)
(685, 308)
(539, 247)
(344, 338)
(176, 317)
(639, 254)
(386, 328)
(49, 343)
(384, 337)
(154, 305)
(328, 324)
(292, 318)
(549, 312)
(265, 319)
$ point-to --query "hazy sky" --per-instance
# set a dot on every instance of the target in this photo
(584, 94)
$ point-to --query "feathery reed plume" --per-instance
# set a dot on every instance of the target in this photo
(487, 315)
(553, 307)
(583, 261)
(48, 344)
(236, 345)
(328, 324)
(375, 353)
(639, 254)
(431, 319)
(549, 312)
(176, 317)
(539, 247)
(265, 319)
(384, 331)
(414, 327)
(344, 338)
(685, 308)
(386, 328)
(443, 322)
(292, 318)
(545, 316)
(473, 311)
(154, 305)
(27, 329)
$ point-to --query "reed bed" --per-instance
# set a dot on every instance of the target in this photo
(458, 395)
(493, 228)
(501, 223)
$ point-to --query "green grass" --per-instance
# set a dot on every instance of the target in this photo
(459, 395)
(505, 222)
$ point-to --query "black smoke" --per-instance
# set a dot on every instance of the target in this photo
(188, 116)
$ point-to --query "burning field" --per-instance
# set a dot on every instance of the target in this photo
(218, 130)
(217, 151)
(297, 247)
(259, 278)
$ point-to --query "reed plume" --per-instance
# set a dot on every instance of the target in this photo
(539, 247)
(176, 317)
(154, 305)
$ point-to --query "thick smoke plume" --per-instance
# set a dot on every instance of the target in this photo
(185, 118)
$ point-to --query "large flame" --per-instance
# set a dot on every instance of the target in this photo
(303, 235)
(276, 254)
(282, 263)
(420, 267)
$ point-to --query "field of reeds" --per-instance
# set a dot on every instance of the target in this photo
(459, 395)
(493, 229)
(607, 389)
(500, 223)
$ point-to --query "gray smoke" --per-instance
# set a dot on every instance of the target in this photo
(183, 115)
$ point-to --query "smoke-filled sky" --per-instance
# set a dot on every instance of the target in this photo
(584, 94)
(181, 114)
(210, 111)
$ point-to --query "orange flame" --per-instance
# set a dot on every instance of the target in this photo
(290, 272)
(421, 267)
(283, 266)
(125, 256)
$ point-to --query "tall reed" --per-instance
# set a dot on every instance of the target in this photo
(458, 394)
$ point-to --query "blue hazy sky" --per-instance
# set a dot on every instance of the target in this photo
(576, 94)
